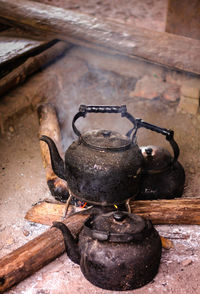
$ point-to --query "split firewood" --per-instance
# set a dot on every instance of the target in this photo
(31, 65)
(49, 126)
(182, 53)
(46, 212)
(37, 253)
(176, 211)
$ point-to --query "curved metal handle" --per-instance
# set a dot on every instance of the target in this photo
(84, 109)
(169, 134)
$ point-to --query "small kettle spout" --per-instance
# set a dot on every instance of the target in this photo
(70, 243)
(56, 161)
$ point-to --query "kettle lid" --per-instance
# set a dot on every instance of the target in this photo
(156, 159)
(106, 140)
(118, 226)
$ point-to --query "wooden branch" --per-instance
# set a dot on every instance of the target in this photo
(29, 258)
(31, 65)
(176, 52)
(176, 211)
(49, 126)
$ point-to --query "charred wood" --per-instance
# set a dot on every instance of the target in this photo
(49, 126)
(176, 211)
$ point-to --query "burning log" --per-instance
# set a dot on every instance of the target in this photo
(31, 65)
(49, 126)
(29, 258)
(176, 211)
(182, 53)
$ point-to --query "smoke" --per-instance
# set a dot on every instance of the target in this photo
(81, 84)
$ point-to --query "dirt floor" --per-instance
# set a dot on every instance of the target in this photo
(97, 80)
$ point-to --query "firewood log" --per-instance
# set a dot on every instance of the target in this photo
(29, 258)
(178, 211)
(176, 52)
(49, 126)
(175, 211)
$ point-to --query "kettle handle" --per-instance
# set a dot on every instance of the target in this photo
(169, 134)
(84, 109)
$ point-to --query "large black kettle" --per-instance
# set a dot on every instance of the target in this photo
(104, 167)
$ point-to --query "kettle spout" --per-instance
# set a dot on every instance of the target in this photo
(56, 161)
(70, 243)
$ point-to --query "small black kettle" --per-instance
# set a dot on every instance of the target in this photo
(163, 177)
(115, 250)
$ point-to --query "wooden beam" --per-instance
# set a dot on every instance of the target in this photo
(14, 45)
(176, 52)
(31, 65)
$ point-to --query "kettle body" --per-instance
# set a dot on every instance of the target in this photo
(117, 251)
(101, 167)
(162, 178)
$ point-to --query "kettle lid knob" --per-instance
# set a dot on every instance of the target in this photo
(149, 151)
(119, 216)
